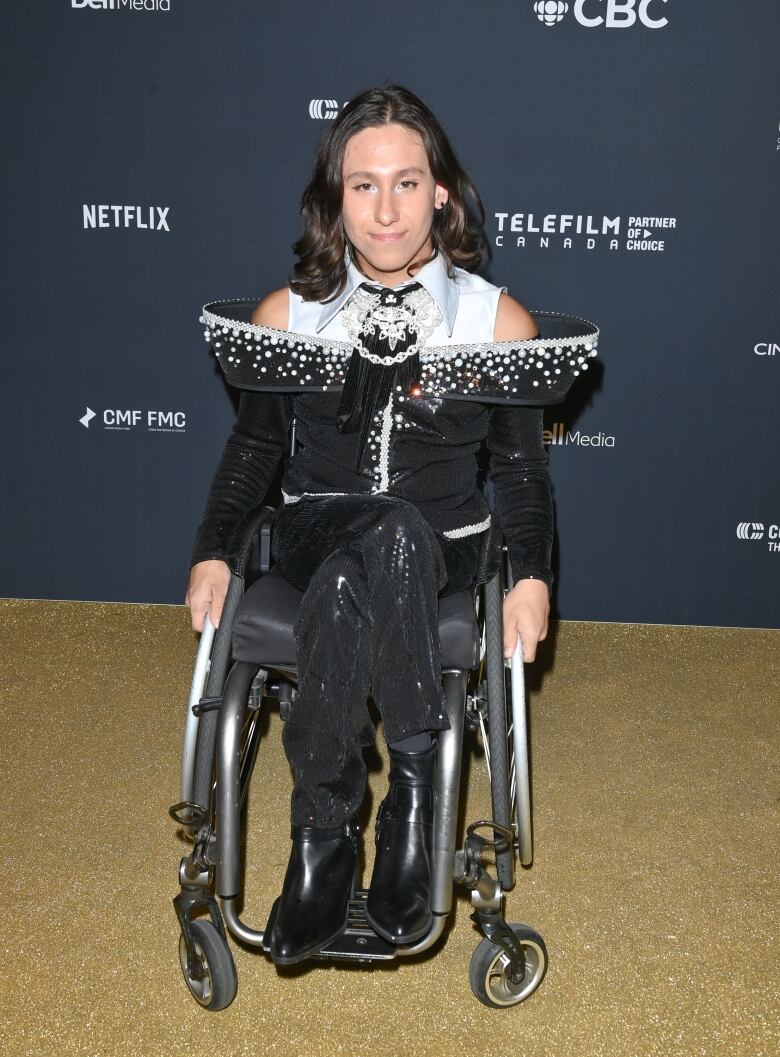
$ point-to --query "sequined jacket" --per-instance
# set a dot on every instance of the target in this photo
(423, 448)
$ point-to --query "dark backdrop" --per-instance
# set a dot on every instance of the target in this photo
(198, 121)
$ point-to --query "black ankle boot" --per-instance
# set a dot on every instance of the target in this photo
(313, 907)
(398, 907)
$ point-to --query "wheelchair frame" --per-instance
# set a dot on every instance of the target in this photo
(221, 738)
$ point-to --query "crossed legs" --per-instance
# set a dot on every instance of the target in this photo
(368, 622)
(371, 569)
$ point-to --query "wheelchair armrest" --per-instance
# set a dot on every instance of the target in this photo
(259, 525)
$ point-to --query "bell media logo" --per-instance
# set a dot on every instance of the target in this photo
(323, 109)
(559, 434)
(127, 419)
(123, 5)
(593, 14)
(754, 530)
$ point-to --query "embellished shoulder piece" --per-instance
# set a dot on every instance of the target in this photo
(536, 371)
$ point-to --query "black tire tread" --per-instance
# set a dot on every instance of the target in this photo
(484, 954)
(224, 979)
(497, 724)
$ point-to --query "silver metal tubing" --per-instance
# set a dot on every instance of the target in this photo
(221, 654)
(236, 925)
(520, 742)
(202, 662)
(447, 788)
(193, 876)
(437, 928)
(486, 893)
(227, 823)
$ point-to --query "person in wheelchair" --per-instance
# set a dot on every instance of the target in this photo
(382, 512)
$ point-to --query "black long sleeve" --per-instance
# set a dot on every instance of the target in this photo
(259, 440)
(519, 469)
(250, 458)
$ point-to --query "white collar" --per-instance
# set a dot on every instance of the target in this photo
(432, 276)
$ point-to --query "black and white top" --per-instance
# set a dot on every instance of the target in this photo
(394, 391)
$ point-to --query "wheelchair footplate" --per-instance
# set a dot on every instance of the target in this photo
(358, 942)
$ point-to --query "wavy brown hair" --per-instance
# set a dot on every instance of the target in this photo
(321, 272)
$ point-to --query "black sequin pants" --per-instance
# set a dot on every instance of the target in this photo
(372, 570)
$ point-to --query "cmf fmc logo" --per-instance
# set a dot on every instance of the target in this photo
(618, 14)
(155, 421)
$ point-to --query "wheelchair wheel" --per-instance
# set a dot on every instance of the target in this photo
(498, 742)
(489, 974)
(212, 982)
(250, 740)
(217, 673)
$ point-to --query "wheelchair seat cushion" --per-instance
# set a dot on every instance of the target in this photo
(263, 625)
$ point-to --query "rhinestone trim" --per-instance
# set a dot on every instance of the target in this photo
(467, 530)
(364, 314)
(431, 352)
(531, 370)
(384, 446)
(308, 495)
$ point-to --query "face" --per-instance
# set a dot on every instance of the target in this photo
(389, 199)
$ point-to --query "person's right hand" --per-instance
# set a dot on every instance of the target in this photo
(208, 586)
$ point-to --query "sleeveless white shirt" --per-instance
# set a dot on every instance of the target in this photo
(468, 304)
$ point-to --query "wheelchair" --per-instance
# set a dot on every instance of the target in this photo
(248, 664)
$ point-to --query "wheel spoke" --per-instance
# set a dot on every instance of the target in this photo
(498, 981)
(485, 743)
(200, 986)
(211, 976)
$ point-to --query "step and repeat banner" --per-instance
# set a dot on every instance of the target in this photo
(628, 156)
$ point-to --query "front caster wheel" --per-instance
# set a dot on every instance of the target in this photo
(489, 972)
(212, 981)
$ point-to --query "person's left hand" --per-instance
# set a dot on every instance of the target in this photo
(526, 611)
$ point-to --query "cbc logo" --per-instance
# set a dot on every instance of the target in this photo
(323, 109)
(550, 12)
(619, 14)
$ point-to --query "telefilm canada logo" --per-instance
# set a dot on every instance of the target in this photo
(127, 419)
(123, 5)
(146, 218)
(603, 14)
(560, 434)
(755, 530)
(569, 230)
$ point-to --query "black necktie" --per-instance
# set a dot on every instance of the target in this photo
(367, 385)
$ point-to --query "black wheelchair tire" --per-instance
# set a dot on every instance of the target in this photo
(498, 737)
(218, 989)
(488, 976)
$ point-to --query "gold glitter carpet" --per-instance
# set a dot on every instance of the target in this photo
(654, 885)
